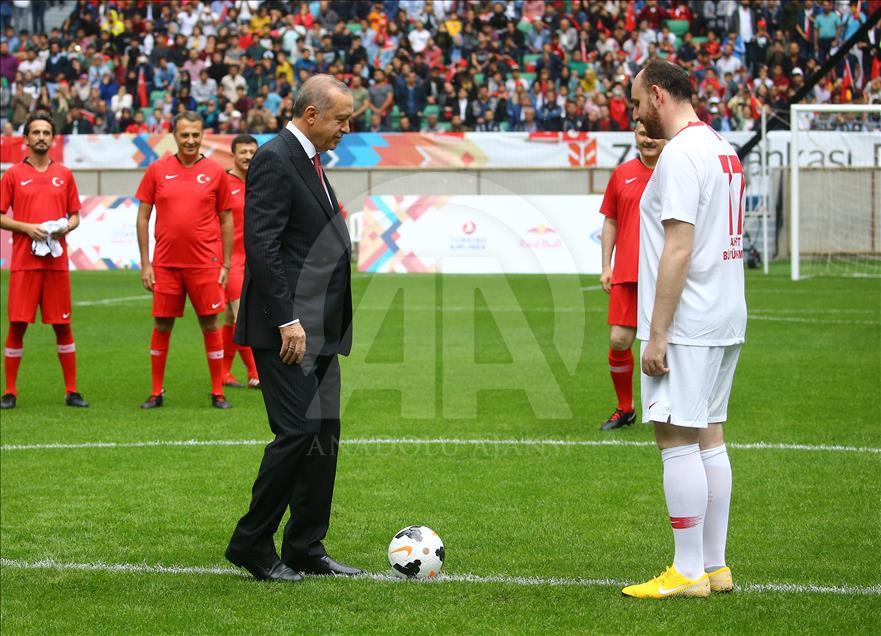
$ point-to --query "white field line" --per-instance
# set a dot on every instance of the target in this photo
(113, 301)
(792, 310)
(754, 315)
(143, 568)
(812, 321)
(403, 441)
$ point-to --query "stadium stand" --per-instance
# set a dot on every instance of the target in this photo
(127, 66)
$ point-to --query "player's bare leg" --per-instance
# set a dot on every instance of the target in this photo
(214, 353)
(621, 369)
(714, 456)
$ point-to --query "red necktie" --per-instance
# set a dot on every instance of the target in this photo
(316, 161)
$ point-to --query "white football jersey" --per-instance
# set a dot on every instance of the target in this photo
(698, 179)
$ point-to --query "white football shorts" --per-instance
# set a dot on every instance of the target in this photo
(695, 391)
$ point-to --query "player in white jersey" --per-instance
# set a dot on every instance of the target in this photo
(691, 324)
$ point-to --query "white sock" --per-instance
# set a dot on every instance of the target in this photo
(685, 488)
(718, 471)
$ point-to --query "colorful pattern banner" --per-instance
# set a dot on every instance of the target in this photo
(449, 150)
(105, 239)
(549, 234)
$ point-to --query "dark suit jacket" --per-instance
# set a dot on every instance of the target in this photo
(298, 254)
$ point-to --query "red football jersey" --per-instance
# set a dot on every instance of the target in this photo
(187, 202)
(36, 197)
(621, 202)
(237, 205)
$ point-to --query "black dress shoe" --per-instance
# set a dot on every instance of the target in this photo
(7, 401)
(75, 399)
(325, 566)
(274, 570)
(219, 402)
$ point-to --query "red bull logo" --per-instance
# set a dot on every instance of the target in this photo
(541, 237)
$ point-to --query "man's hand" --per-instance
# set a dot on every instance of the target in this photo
(224, 276)
(654, 358)
(606, 279)
(147, 278)
(293, 343)
(35, 231)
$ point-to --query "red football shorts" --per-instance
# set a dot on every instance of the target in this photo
(173, 285)
(622, 305)
(234, 284)
(50, 289)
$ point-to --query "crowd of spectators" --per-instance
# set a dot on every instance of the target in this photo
(421, 65)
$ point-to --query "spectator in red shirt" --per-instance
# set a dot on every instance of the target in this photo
(653, 13)
(138, 125)
(780, 80)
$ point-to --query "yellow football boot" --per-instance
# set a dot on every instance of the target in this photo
(670, 583)
(720, 580)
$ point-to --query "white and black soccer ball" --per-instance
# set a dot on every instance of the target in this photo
(416, 552)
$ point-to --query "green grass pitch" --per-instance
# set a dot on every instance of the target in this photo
(540, 526)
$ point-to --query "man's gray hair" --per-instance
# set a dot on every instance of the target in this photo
(316, 91)
(188, 115)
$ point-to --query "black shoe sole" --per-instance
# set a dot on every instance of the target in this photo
(621, 424)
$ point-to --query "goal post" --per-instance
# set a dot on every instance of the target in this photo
(840, 234)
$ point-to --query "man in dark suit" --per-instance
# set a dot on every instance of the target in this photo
(296, 315)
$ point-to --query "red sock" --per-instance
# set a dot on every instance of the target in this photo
(247, 357)
(66, 356)
(214, 351)
(229, 348)
(12, 354)
(158, 358)
(621, 368)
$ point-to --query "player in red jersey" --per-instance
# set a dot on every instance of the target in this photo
(621, 236)
(243, 148)
(194, 236)
(39, 191)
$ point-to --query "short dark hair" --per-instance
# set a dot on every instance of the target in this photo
(40, 115)
(670, 77)
(243, 139)
(189, 115)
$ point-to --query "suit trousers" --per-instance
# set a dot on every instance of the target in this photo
(299, 465)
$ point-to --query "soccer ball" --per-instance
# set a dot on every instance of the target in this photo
(416, 552)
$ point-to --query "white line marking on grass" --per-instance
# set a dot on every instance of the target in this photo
(753, 315)
(143, 568)
(791, 310)
(812, 321)
(112, 301)
(492, 310)
(100, 566)
(592, 288)
(404, 441)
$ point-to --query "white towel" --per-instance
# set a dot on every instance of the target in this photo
(50, 246)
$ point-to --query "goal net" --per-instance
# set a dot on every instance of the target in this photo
(835, 191)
